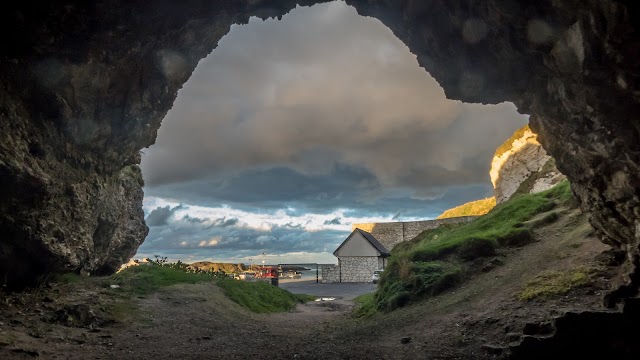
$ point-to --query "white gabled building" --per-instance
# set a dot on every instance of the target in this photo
(358, 257)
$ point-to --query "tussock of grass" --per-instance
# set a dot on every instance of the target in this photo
(551, 283)
(366, 305)
(473, 208)
(261, 297)
(145, 279)
(436, 259)
(406, 281)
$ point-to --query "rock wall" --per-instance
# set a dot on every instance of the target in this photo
(391, 233)
(521, 165)
(85, 85)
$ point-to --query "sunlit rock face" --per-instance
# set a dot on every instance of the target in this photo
(85, 85)
(521, 165)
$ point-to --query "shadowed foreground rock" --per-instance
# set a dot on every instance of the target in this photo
(85, 85)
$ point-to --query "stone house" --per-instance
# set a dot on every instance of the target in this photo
(359, 256)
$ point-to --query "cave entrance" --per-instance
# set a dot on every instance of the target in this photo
(324, 112)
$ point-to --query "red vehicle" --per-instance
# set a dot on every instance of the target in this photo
(269, 273)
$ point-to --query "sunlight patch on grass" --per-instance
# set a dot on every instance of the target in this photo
(551, 283)
(473, 208)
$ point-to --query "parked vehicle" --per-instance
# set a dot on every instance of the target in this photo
(376, 276)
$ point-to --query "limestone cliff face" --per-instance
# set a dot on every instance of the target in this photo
(84, 86)
(521, 165)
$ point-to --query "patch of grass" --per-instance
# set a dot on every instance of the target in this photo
(551, 283)
(261, 297)
(123, 311)
(473, 208)
(68, 278)
(145, 279)
(366, 305)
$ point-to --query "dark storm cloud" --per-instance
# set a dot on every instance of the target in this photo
(273, 187)
(335, 221)
(160, 215)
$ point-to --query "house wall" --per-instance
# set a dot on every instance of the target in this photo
(330, 273)
(357, 268)
(357, 245)
(390, 234)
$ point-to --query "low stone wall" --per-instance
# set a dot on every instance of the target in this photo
(390, 234)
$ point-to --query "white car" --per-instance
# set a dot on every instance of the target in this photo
(376, 276)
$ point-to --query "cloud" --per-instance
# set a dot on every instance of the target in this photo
(160, 215)
(334, 221)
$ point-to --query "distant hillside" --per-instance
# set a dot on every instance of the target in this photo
(224, 267)
(473, 208)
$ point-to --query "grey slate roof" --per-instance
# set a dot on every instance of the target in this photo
(370, 238)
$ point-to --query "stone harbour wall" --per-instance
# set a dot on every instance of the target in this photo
(392, 233)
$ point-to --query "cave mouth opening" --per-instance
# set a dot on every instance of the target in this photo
(323, 117)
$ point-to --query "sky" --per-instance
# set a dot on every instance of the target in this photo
(293, 129)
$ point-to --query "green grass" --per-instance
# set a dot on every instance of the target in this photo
(261, 297)
(405, 281)
(437, 259)
(551, 283)
(145, 279)
(366, 305)
(68, 278)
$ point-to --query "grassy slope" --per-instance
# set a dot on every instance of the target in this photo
(261, 297)
(258, 297)
(438, 259)
(473, 208)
